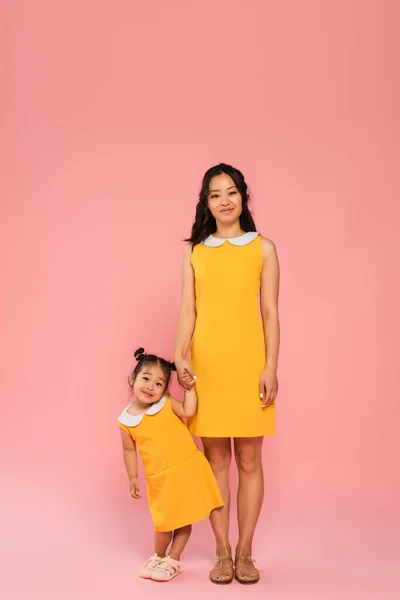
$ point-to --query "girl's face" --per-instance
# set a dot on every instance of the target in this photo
(224, 200)
(149, 385)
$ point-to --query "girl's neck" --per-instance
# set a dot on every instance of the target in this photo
(141, 406)
(229, 231)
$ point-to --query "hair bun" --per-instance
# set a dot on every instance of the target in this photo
(172, 366)
(139, 354)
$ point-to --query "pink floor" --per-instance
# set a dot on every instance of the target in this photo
(54, 552)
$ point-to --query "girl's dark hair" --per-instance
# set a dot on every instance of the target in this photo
(144, 359)
(204, 223)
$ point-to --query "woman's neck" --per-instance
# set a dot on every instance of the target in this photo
(229, 231)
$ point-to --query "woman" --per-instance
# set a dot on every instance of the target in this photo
(229, 315)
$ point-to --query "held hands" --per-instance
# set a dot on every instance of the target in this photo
(268, 387)
(186, 377)
(135, 488)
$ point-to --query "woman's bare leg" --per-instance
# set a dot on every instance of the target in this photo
(248, 453)
(218, 451)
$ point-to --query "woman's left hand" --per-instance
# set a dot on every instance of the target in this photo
(268, 386)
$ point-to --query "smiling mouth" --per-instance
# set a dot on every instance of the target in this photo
(147, 394)
(226, 210)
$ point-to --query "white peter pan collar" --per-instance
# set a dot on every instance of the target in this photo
(241, 240)
(133, 420)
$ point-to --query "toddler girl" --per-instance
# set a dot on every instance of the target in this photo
(181, 487)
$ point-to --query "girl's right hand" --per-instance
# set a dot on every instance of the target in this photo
(135, 488)
(186, 377)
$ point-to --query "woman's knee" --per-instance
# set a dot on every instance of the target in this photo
(248, 455)
(218, 453)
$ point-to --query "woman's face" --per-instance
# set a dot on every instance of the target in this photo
(224, 200)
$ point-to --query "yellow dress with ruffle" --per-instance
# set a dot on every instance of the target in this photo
(181, 487)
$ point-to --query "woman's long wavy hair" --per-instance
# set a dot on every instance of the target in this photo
(204, 223)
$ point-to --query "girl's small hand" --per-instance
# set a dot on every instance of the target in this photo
(135, 488)
(186, 377)
(268, 387)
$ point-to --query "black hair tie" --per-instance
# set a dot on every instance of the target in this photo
(172, 366)
(139, 354)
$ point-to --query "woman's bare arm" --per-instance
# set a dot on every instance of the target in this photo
(186, 321)
(269, 296)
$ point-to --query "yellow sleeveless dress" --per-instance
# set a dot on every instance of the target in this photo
(228, 351)
(181, 487)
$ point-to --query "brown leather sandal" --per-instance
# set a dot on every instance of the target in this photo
(245, 571)
(222, 573)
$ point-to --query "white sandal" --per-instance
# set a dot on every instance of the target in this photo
(167, 569)
(147, 571)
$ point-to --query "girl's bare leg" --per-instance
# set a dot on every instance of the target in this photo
(179, 541)
(161, 542)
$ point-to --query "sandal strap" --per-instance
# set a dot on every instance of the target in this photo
(152, 562)
(221, 559)
(243, 557)
(169, 565)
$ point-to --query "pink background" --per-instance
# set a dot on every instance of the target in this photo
(111, 112)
